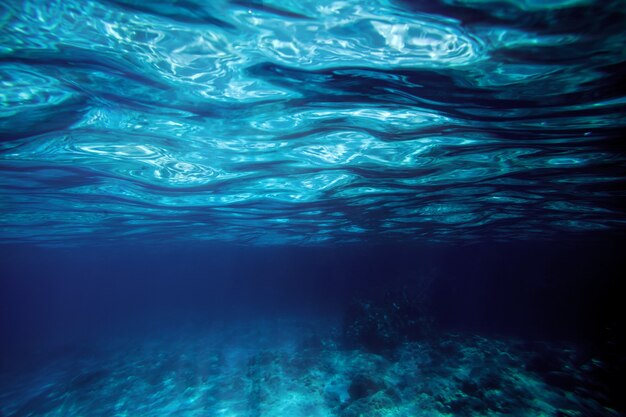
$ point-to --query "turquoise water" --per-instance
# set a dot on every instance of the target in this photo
(310, 121)
(333, 208)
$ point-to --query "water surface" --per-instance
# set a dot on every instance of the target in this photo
(310, 121)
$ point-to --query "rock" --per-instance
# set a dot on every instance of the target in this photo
(336, 392)
(384, 325)
(368, 326)
(377, 405)
(542, 364)
(562, 380)
(470, 388)
(363, 386)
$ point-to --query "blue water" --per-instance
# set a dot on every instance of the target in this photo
(331, 208)
(308, 122)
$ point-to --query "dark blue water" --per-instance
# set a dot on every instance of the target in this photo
(312, 208)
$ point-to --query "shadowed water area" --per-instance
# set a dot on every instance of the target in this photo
(311, 121)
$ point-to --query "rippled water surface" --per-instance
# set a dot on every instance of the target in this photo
(310, 121)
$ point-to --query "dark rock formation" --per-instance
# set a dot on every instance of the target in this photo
(383, 325)
(363, 386)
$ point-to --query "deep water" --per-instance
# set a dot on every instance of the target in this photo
(372, 330)
(379, 208)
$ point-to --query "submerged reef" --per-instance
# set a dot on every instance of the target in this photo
(232, 374)
(379, 325)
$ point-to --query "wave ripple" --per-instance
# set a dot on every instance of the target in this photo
(311, 121)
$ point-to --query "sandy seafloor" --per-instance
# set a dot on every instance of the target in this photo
(284, 368)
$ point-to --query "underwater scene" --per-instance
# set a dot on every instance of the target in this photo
(312, 208)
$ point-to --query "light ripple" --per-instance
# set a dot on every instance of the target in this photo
(311, 121)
